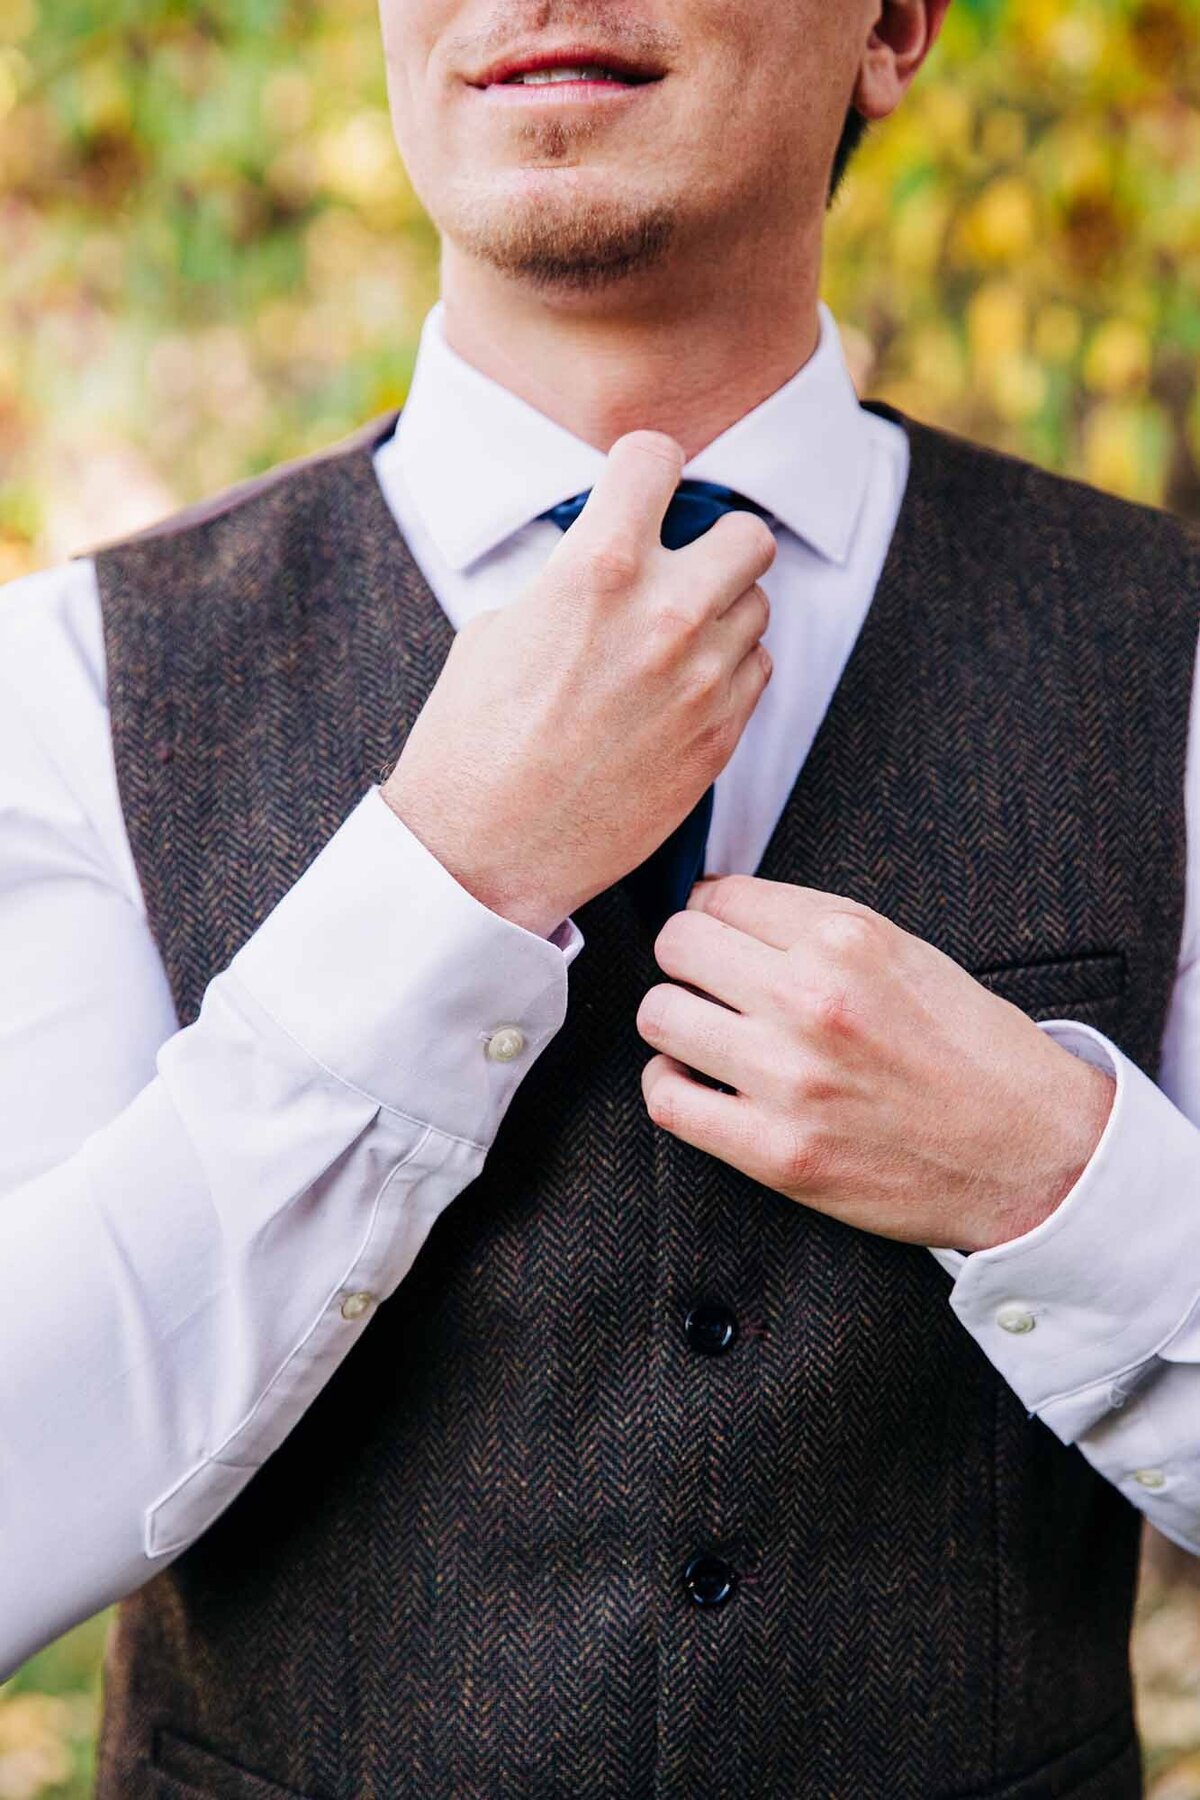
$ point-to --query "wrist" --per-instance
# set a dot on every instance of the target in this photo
(1083, 1105)
(500, 893)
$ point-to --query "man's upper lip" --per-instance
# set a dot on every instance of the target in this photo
(572, 56)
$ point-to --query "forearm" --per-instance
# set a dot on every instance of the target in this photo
(186, 1279)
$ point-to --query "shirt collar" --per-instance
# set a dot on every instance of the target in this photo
(802, 453)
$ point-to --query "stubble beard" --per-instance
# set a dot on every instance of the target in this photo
(569, 245)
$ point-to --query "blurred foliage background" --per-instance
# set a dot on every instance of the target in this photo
(211, 260)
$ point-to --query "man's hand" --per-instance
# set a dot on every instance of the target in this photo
(876, 1080)
(571, 730)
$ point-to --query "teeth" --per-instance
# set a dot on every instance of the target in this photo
(589, 72)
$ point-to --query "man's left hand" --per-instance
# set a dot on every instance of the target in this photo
(875, 1079)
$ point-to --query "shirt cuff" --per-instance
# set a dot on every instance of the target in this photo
(1072, 1311)
(398, 981)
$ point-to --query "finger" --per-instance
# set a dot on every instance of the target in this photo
(777, 912)
(748, 681)
(726, 964)
(724, 1125)
(740, 627)
(701, 1034)
(727, 558)
(626, 507)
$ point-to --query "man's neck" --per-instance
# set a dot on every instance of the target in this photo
(691, 363)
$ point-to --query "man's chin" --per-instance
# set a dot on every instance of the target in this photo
(569, 245)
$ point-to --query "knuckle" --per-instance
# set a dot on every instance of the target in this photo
(756, 541)
(715, 742)
(796, 1154)
(748, 532)
(767, 546)
(613, 563)
(662, 1106)
(812, 1085)
(706, 676)
(674, 619)
(725, 894)
(845, 933)
(830, 1009)
(671, 936)
(652, 1011)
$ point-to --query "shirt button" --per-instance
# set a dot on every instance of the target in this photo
(710, 1327)
(505, 1043)
(1015, 1317)
(708, 1579)
(356, 1306)
(1150, 1478)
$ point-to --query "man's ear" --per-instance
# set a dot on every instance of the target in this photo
(904, 33)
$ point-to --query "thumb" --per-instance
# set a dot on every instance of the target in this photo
(631, 495)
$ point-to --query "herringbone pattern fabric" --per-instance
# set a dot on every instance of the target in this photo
(459, 1578)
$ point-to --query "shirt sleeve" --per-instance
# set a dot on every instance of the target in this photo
(196, 1225)
(1093, 1317)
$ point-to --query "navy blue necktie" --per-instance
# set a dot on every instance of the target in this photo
(660, 886)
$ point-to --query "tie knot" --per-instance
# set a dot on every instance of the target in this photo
(694, 506)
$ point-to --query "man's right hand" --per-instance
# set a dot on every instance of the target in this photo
(572, 730)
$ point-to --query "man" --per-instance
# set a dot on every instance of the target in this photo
(481, 1395)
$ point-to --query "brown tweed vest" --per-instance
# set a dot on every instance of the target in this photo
(460, 1578)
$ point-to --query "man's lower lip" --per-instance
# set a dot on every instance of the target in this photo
(570, 91)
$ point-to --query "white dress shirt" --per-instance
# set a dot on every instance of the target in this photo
(196, 1225)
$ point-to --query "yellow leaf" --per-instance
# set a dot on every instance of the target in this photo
(1002, 135)
(996, 322)
(1057, 333)
(1118, 358)
(1002, 224)
(1018, 386)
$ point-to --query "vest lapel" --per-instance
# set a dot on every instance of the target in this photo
(881, 629)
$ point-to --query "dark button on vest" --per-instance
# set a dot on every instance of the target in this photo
(710, 1327)
(709, 1579)
(460, 1575)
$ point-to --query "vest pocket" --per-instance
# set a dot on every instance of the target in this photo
(1105, 1765)
(183, 1771)
(1059, 986)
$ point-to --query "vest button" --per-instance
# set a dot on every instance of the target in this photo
(708, 1579)
(710, 1327)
